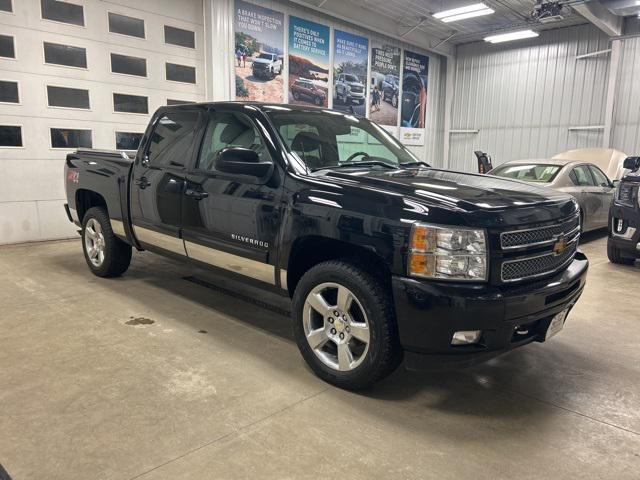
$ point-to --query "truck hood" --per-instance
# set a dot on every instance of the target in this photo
(480, 198)
(355, 84)
(262, 60)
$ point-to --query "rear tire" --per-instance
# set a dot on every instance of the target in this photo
(615, 255)
(105, 254)
(367, 319)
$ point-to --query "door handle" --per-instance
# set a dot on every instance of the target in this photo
(142, 182)
(195, 194)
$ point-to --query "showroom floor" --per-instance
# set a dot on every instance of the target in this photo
(154, 376)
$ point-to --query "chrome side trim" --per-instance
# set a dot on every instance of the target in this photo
(234, 263)
(160, 240)
(118, 227)
(283, 279)
(535, 244)
(627, 235)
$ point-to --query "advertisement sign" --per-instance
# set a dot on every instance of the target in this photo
(308, 62)
(259, 53)
(350, 64)
(385, 86)
(414, 98)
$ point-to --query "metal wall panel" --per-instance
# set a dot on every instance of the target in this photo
(524, 96)
(626, 124)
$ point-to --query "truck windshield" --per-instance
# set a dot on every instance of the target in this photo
(527, 172)
(266, 56)
(327, 139)
(350, 78)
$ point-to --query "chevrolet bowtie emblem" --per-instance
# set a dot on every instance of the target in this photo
(560, 245)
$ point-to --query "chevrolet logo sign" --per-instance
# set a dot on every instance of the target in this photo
(560, 245)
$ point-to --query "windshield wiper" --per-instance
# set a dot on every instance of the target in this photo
(367, 163)
(411, 164)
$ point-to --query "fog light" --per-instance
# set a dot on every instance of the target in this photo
(468, 337)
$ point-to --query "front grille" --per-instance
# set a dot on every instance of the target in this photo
(538, 265)
(625, 194)
(538, 236)
(357, 89)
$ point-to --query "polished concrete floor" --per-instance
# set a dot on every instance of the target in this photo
(152, 376)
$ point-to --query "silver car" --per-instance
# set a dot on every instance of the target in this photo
(586, 182)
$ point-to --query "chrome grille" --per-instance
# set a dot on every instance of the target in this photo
(538, 236)
(625, 193)
(537, 266)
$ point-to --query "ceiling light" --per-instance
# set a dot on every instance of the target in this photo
(455, 14)
(507, 37)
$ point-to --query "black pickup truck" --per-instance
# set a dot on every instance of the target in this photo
(623, 244)
(384, 257)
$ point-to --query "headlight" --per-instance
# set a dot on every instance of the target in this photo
(452, 253)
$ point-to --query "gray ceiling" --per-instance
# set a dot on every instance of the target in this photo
(508, 14)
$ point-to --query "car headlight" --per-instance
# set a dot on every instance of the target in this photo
(452, 253)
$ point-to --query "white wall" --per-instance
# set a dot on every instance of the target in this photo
(524, 97)
(32, 193)
(626, 119)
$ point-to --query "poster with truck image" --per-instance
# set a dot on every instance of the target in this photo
(350, 65)
(413, 110)
(308, 62)
(385, 86)
(259, 53)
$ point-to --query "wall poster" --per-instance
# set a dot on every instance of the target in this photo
(385, 86)
(414, 98)
(259, 53)
(350, 65)
(308, 62)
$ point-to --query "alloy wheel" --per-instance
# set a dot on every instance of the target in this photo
(94, 242)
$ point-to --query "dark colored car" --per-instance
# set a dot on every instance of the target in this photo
(623, 244)
(306, 89)
(384, 257)
(390, 89)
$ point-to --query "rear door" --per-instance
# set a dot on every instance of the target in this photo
(227, 221)
(158, 179)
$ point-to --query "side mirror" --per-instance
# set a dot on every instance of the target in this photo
(242, 161)
(632, 163)
(615, 183)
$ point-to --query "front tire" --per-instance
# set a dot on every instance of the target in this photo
(615, 255)
(344, 324)
(105, 254)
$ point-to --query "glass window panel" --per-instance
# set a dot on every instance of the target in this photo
(65, 55)
(600, 178)
(128, 65)
(180, 37)
(130, 103)
(7, 47)
(10, 136)
(134, 27)
(68, 97)
(128, 140)
(581, 176)
(64, 12)
(9, 92)
(172, 142)
(181, 73)
(5, 6)
(70, 138)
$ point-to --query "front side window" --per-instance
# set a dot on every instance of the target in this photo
(229, 129)
(64, 12)
(581, 177)
(325, 140)
(600, 178)
(172, 140)
(527, 172)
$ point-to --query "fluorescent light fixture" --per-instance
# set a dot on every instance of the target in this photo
(455, 14)
(507, 37)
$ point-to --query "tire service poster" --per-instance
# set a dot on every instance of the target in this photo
(385, 86)
(414, 98)
(308, 62)
(350, 65)
(259, 53)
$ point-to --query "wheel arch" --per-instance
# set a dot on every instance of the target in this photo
(86, 199)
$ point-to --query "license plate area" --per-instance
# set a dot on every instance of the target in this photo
(555, 325)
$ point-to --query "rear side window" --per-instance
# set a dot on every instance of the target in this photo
(229, 129)
(173, 138)
(600, 178)
(581, 177)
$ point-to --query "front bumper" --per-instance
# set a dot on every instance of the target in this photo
(429, 313)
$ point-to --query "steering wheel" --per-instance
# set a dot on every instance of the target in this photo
(354, 155)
